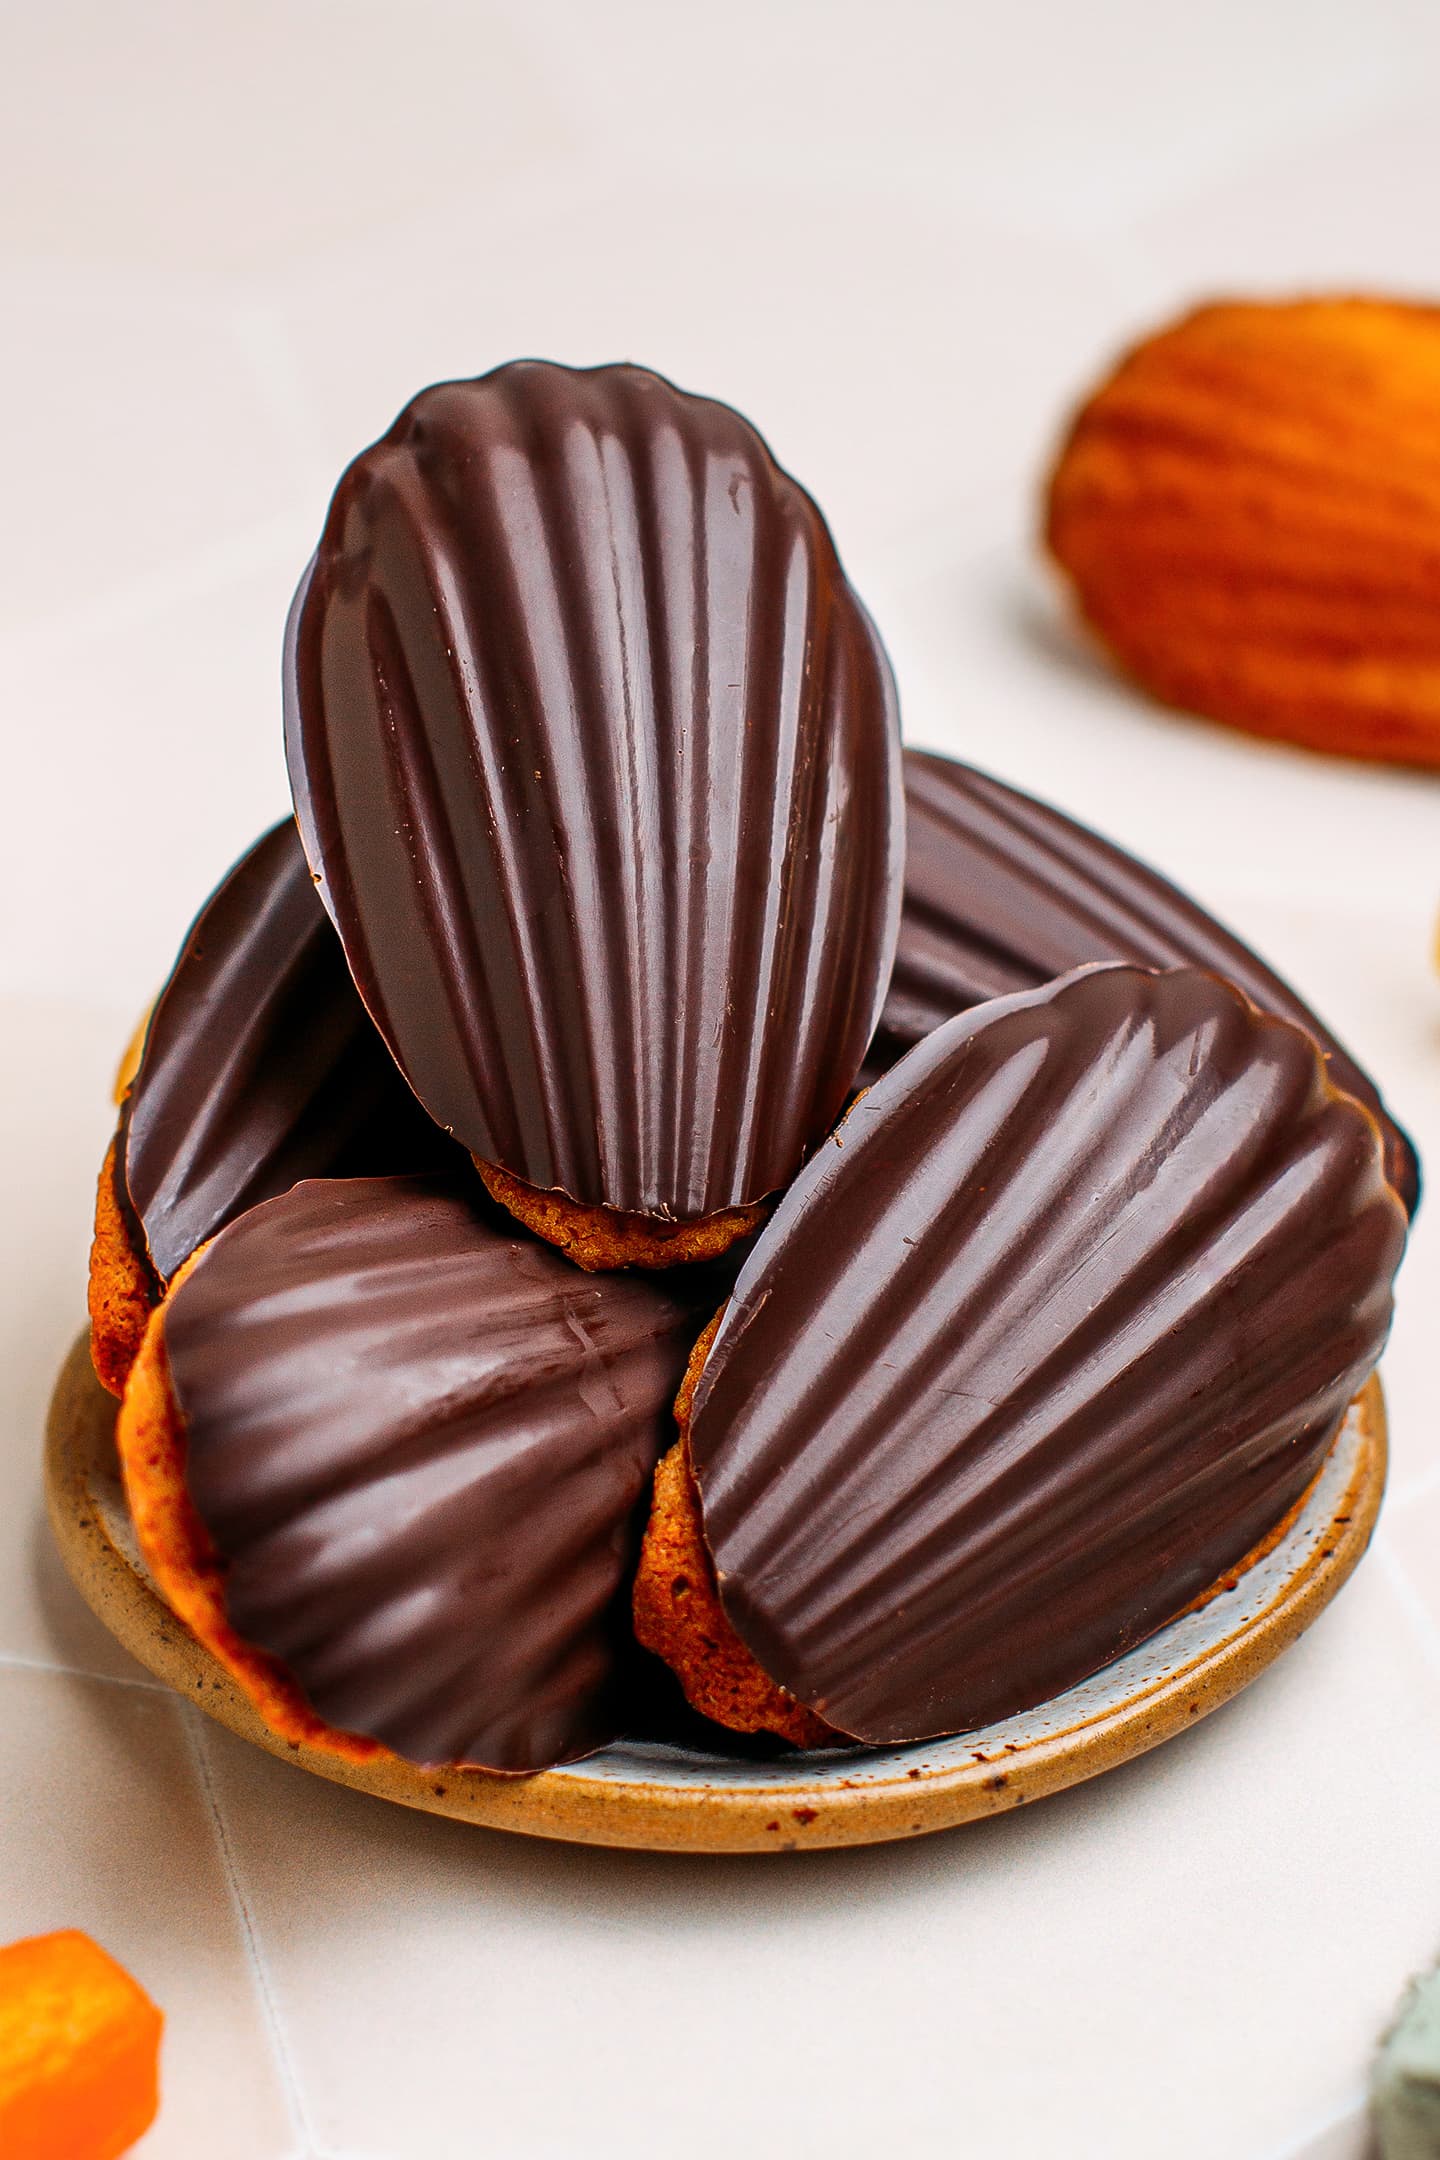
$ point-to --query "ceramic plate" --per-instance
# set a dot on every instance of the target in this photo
(670, 1797)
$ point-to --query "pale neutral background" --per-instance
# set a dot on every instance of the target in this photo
(233, 240)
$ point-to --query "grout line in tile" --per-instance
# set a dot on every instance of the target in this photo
(14, 1661)
(309, 2147)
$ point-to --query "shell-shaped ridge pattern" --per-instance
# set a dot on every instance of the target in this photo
(261, 1065)
(1004, 893)
(595, 756)
(1051, 1333)
(420, 1443)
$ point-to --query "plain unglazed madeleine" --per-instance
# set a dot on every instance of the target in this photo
(1248, 512)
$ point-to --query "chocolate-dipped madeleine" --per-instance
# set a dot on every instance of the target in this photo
(387, 1457)
(1003, 893)
(595, 757)
(259, 1066)
(1050, 1334)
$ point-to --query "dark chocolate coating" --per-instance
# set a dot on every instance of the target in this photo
(420, 1443)
(260, 1066)
(1046, 1338)
(595, 754)
(1002, 893)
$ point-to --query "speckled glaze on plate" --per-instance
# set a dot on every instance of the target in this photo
(667, 1798)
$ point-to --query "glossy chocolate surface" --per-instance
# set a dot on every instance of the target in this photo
(594, 753)
(1002, 893)
(420, 1443)
(1047, 1337)
(261, 1065)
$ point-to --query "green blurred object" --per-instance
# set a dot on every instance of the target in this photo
(1405, 2086)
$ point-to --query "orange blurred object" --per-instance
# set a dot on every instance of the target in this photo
(1248, 511)
(79, 2052)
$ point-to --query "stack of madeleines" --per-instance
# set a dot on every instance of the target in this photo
(641, 1167)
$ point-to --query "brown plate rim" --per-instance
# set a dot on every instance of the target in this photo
(656, 1801)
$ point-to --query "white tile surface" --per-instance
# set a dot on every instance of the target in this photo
(107, 1828)
(1410, 1541)
(152, 759)
(1336, 214)
(138, 432)
(1215, 1930)
(1058, 115)
(232, 242)
(158, 135)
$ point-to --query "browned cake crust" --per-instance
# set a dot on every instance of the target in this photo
(150, 1438)
(599, 1238)
(123, 1290)
(129, 1064)
(677, 1606)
